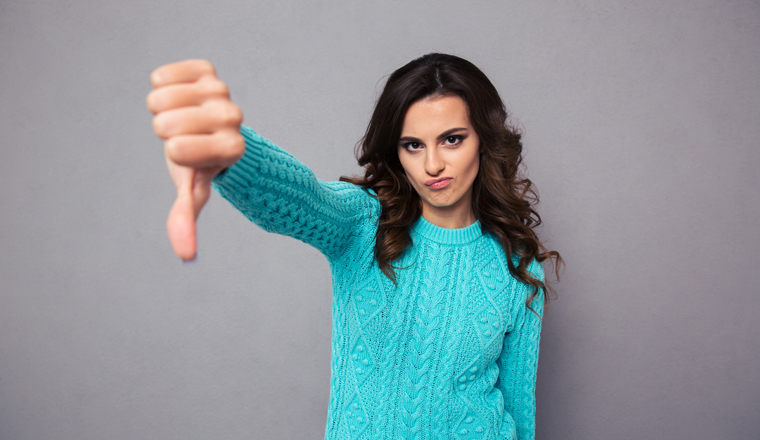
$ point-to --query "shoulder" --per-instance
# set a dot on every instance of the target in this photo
(537, 269)
(496, 260)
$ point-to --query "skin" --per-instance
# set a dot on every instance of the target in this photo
(201, 131)
(438, 143)
(200, 127)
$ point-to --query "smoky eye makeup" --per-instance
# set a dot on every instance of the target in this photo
(454, 140)
(410, 143)
(412, 146)
(448, 138)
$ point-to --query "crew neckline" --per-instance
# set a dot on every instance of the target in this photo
(446, 235)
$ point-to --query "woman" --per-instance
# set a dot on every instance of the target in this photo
(438, 289)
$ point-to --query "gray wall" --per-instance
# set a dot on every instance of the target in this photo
(642, 124)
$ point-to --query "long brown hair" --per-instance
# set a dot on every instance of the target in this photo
(503, 199)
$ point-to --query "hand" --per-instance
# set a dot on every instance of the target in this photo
(201, 131)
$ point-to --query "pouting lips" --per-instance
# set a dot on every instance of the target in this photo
(438, 183)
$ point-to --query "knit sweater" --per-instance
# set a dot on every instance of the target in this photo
(449, 352)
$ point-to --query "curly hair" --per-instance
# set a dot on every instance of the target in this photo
(503, 199)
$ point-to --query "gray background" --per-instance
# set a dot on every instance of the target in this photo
(642, 124)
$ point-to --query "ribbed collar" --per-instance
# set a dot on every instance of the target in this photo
(445, 235)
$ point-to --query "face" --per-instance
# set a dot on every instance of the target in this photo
(439, 151)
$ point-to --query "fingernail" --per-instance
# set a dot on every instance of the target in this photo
(190, 262)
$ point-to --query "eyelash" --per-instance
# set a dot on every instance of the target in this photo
(457, 140)
(408, 145)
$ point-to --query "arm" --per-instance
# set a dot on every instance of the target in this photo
(280, 194)
(519, 360)
(203, 136)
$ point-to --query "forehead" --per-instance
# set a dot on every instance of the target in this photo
(434, 115)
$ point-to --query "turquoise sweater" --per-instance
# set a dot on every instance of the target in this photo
(450, 353)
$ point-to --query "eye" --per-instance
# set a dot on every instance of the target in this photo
(412, 146)
(453, 140)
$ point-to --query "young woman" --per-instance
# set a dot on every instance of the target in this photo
(438, 289)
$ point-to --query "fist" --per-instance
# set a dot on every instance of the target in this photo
(200, 127)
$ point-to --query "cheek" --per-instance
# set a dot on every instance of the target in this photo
(407, 166)
(473, 168)
(410, 166)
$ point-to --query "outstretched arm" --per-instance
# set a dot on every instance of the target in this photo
(279, 193)
(203, 136)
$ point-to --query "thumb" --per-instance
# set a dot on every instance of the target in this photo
(181, 222)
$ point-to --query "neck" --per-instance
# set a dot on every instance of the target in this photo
(449, 219)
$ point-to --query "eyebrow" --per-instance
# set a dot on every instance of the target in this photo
(441, 136)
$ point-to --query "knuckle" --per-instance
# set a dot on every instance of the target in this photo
(157, 100)
(226, 148)
(233, 115)
(215, 88)
(235, 146)
(150, 101)
(161, 126)
(172, 149)
(179, 149)
(164, 75)
(155, 77)
(205, 66)
(224, 112)
(221, 89)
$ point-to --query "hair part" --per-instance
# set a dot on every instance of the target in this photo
(503, 198)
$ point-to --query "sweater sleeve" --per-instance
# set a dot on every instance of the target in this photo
(518, 361)
(280, 194)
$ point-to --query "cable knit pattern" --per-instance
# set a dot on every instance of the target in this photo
(449, 353)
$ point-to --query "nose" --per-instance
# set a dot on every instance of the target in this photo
(433, 162)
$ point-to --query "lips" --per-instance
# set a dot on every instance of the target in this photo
(438, 183)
